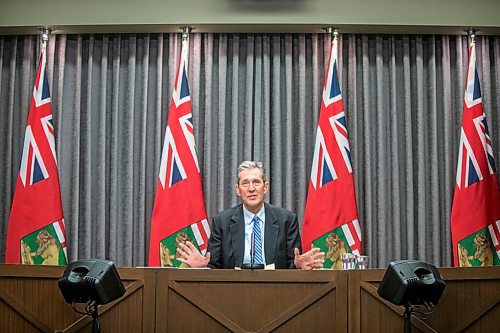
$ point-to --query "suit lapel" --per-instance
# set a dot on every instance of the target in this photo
(237, 229)
(271, 231)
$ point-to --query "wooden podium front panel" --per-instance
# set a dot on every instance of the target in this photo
(188, 300)
(251, 301)
(30, 301)
(470, 303)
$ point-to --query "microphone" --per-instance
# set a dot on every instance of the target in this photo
(252, 264)
(252, 250)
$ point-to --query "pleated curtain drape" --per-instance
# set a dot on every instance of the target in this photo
(254, 96)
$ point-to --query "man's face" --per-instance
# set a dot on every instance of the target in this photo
(252, 188)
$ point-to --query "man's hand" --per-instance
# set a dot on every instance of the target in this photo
(313, 258)
(189, 255)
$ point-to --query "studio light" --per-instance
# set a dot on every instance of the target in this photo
(91, 281)
(414, 284)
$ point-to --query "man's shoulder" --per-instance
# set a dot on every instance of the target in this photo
(279, 211)
(228, 213)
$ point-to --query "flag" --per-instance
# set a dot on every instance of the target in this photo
(475, 215)
(331, 215)
(36, 232)
(179, 211)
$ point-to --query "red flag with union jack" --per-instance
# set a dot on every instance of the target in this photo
(331, 215)
(475, 215)
(179, 211)
(36, 233)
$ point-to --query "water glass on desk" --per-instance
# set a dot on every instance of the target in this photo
(362, 261)
(348, 261)
(354, 261)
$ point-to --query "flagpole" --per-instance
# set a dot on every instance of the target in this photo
(332, 31)
(45, 35)
(185, 43)
(185, 35)
(334, 36)
(472, 36)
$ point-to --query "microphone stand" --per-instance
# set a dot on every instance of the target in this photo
(252, 264)
(407, 318)
(252, 250)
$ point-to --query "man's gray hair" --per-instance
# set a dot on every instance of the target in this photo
(248, 165)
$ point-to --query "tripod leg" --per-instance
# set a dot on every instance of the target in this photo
(96, 327)
(407, 317)
(407, 325)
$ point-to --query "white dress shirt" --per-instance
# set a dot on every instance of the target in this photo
(248, 216)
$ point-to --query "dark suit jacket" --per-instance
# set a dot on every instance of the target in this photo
(227, 239)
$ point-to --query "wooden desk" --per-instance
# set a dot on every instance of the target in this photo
(191, 300)
(470, 303)
(30, 301)
(251, 301)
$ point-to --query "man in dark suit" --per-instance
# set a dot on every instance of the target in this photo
(253, 233)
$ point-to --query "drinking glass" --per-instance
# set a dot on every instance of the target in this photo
(362, 261)
(348, 261)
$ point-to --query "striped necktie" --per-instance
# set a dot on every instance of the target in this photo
(257, 233)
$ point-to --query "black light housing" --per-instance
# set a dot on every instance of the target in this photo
(410, 282)
(91, 280)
